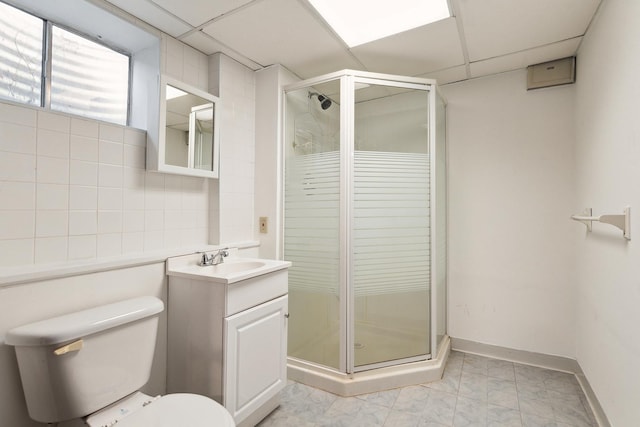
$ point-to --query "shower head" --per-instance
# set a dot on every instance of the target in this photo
(324, 101)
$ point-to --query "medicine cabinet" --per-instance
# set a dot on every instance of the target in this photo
(187, 139)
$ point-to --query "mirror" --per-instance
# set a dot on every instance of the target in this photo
(188, 130)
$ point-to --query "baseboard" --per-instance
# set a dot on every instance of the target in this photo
(558, 363)
(597, 409)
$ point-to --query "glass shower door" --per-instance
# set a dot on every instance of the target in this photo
(391, 225)
(312, 239)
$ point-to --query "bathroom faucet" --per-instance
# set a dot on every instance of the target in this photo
(214, 259)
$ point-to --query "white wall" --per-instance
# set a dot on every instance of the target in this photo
(607, 180)
(510, 195)
(43, 299)
(269, 82)
(232, 194)
(76, 189)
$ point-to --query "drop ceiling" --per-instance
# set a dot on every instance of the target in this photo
(482, 37)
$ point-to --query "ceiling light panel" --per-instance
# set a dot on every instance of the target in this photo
(361, 21)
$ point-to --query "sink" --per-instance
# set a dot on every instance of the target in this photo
(233, 269)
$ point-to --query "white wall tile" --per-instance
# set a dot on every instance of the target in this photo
(17, 195)
(16, 252)
(83, 198)
(84, 127)
(172, 192)
(53, 121)
(175, 58)
(52, 223)
(53, 143)
(110, 152)
(83, 173)
(109, 222)
(134, 178)
(83, 222)
(191, 66)
(52, 196)
(17, 224)
(17, 138)
(153, 220)
(153, 240)
(173, 219)
(172, 239)
(83, 247)
(135, 137)
(133, 221)
(109, 198)
(133, 199)
(51, 249)
(77, 188)
(19, 115)
(154, 192)
(109, 245)
(113, 133)
(52, 170)
(83, 148)
(110, 175)
(17, 167)
(132, 242)
(134, 156)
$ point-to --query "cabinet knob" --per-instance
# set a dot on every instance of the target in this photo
(286, 315)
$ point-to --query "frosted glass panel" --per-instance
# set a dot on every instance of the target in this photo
(21, 52)
(391, 259)
(88, 79)
(312, 225)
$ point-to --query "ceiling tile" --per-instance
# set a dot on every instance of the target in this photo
(450, 75)
(208, 45)
(153, 15)
(197, 12)
(431, 47)
(525, 58)
(284, 32)
(499, 27)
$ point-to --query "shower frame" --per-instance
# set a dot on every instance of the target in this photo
(430, 365)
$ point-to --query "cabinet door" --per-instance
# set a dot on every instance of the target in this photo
(255, 357)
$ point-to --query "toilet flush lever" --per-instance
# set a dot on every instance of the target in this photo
(74, 346)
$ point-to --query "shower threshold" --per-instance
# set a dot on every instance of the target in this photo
(373, 380)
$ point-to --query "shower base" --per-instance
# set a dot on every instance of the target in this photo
(373, 380)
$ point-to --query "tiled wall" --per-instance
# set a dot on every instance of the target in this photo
(73, 188)
(234, 193)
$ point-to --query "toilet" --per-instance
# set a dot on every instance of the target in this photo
(91, 364)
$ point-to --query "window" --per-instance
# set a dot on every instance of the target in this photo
(20, 56)
(86, 77)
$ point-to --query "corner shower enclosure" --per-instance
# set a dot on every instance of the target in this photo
(364, 224)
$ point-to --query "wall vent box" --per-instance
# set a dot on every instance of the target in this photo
(552, 73)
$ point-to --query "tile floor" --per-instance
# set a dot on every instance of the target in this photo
(474, 391)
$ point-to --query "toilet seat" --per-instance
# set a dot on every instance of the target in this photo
(179, 409)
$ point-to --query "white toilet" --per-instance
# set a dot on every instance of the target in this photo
(90, 364)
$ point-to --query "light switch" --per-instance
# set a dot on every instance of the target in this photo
(264, 224)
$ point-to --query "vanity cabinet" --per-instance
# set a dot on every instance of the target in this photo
(228, 341)
(255, 347)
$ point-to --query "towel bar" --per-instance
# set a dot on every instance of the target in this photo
(621, 221)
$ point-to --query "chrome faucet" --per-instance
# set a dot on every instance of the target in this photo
(214, 259)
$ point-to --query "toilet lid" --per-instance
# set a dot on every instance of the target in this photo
(180, 409)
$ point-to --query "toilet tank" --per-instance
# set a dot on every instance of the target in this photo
(76, 364)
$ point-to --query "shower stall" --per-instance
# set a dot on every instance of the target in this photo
(365, 227)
